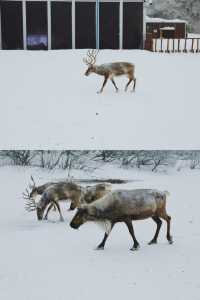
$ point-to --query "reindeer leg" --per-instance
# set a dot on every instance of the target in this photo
(131, 231)
(72, 206)
(130, 80)
(114, 84)
(159, 224)
(104, 83)
(49, 208)
(134, 84)
(168, 220)
(102, 244)
(59, 210)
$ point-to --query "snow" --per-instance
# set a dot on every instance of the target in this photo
(160, 20)
(50, 260)
(48, 103)
(167, 28)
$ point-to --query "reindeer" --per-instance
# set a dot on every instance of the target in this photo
(39, 190)
(110, 70)
(125, 206)
(95, 192)
(63, 191)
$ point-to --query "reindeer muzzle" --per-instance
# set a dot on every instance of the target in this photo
(39, 214)
(74, 226)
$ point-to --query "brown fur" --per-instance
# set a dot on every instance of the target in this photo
(125, 206)
(64, 191)
(110, 70)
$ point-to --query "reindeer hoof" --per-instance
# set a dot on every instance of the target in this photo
(135, 248)
(170, 240)
(99, 248)
(153, 242)
(62, 220)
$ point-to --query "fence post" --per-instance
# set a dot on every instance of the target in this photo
(192, 47)
(167, 46)
(173, 43)
(198, 50)
(185, 47)
(179, 45)
(156, 41)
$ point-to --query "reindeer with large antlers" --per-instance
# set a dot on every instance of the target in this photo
(51, 194)
(110, 70)
(63, 191)
(30, 196)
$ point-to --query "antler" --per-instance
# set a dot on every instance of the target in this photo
(30, 204)
(91, 57)
(32, 185)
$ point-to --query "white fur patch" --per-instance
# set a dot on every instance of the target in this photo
(104, 225)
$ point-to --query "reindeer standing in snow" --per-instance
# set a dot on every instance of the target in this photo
(110, 70)
(62, 191)
(125, 206)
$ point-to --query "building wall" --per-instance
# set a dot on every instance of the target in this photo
(65, 24)
(154, 28)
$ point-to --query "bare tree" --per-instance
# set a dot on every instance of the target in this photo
(19, 157)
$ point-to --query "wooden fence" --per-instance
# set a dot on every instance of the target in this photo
(187, 45)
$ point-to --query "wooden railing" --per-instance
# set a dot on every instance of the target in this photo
(187, 45)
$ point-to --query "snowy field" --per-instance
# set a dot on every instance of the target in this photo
(48, 103)
(49, 260)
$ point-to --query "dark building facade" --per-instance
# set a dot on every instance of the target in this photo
(75, 24)
(167, 29)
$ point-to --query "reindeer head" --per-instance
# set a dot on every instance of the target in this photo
(31, 205)
(90, 61)
(84, 214)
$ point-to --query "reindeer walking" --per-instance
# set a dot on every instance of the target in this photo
(51, 195)
(110, 70)
(39, 190)
(126, 206)
(62, 191)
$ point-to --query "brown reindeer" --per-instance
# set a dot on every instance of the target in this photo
(125, 206)
(63, 191)
(54, 193)
(110, 70)
(39, 190)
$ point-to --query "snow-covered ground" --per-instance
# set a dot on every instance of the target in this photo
(48, 103)
(49, 260)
